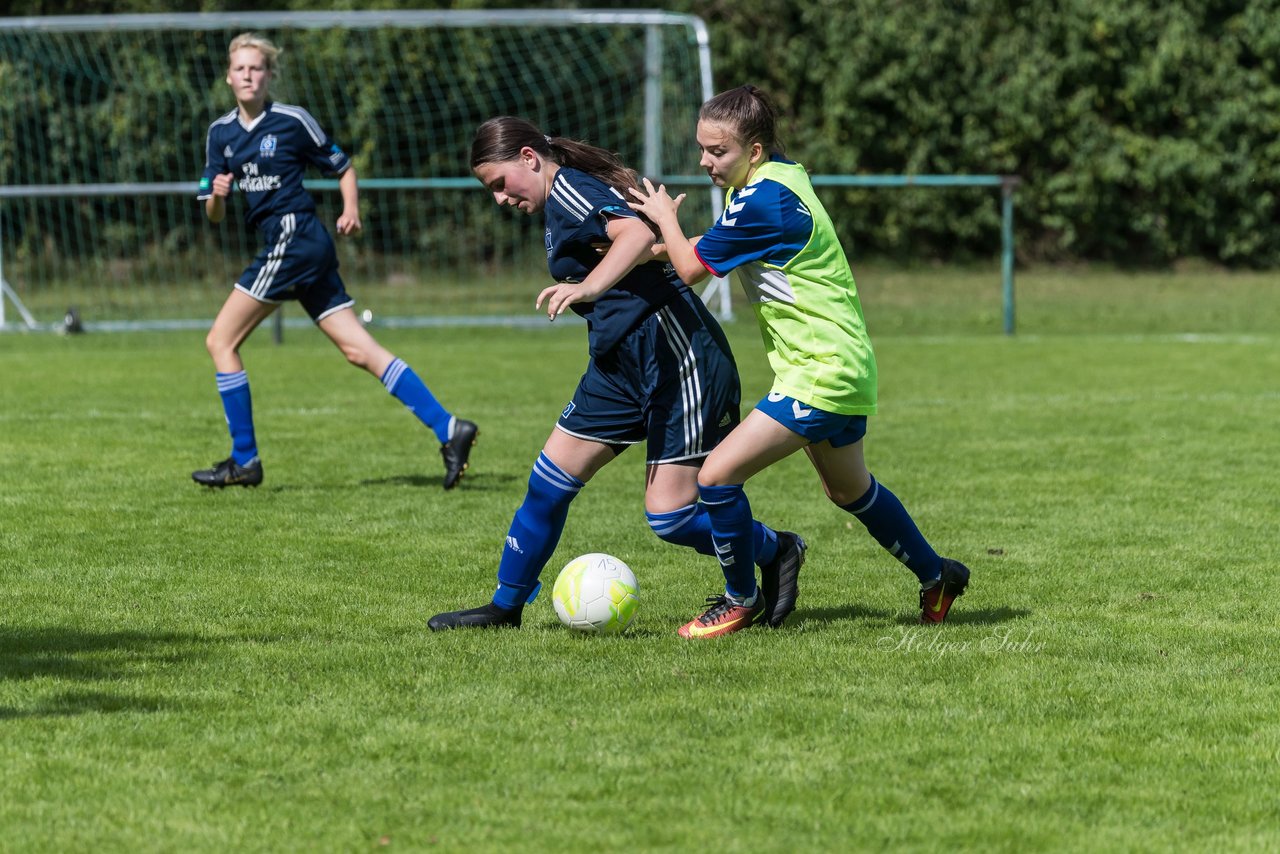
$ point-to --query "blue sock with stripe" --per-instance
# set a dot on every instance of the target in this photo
(405, 387)
(691, 526)
(894, 529)
(534, 531)
(732, 535)
(238, 406)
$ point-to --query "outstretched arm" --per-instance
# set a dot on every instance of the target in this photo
(661, 209)
(632, 244)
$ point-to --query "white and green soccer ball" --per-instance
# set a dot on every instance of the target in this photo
(596, 593)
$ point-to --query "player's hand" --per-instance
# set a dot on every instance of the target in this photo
(655, 202)
(222, 184)
(561, 295)
(349, 223)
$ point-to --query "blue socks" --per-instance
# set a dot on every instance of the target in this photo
(731, 532)
(737, 542)
(893, 528)
(398, 378)
(405, 386)
(534, 531)
(691, 527)
(238, 406)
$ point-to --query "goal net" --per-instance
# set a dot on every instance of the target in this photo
(102, 134)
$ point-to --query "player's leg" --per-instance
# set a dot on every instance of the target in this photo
(456, 435)
(693, 404)
(289, 255)
(565, 465)
(601, 420)
(756, 443)
(237, 319)
(676, 516)
(843, 471)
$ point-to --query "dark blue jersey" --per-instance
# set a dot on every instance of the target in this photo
(577, 213)
(269, 158)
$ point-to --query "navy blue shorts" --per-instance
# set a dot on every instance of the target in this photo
(672, 383)
(297, 262)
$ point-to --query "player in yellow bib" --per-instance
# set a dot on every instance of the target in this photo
(778, 240)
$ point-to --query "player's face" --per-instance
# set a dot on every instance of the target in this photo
(519, 183)
(247, 75)
(726, 158)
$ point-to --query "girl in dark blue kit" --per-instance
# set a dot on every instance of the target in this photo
(660, 371)
(263, 148)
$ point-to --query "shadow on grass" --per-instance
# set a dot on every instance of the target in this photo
(958, 617)
(984, 616)
(71, 703)
(470, 483)
(837, 613)
(76, 655)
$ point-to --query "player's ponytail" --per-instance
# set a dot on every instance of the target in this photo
(750, 113)
(603, 164)
(500, 139)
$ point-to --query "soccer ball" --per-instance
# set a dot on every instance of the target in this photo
(596, 593)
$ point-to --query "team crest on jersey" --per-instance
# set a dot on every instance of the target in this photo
(268, 146)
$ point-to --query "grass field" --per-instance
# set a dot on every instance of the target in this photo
(250, 670)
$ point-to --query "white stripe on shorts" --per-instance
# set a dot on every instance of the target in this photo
(690, 385)
(267, 274)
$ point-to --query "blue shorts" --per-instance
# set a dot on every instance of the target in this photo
(816, 425)
(297, 262)
(671, 382)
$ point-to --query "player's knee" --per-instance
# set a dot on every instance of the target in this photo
(840, 497)
(712, 475)
(667, 526)
(218, 345)
(551, 486)
(844, 494)
(355, 355)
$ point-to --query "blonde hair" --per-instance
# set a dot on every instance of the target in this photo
(258, 42)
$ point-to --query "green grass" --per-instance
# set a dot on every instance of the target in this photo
(183, 670)
(927, 300)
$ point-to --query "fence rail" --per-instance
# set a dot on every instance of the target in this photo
(1007, 184)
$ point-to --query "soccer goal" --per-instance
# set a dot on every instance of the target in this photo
(102, 135)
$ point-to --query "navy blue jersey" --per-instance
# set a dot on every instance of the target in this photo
(269, 158)
(577, 213)
(765, 223)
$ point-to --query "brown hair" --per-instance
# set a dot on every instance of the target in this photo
(501, 139)
(749, 113)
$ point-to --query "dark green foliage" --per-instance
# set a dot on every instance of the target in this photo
(1143, 131)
